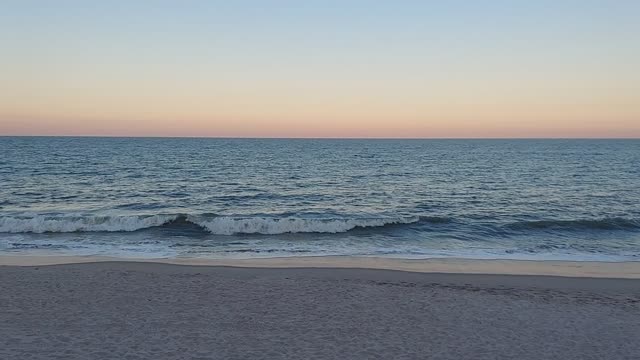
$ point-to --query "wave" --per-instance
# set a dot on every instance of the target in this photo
(219, 225)
(582, 224)
(66, 224)
(272, 225)
(225, 225)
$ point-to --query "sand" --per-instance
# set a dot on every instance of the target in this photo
(595, 269)
(134, 310)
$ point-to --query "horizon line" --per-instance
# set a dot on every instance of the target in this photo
(319, 138)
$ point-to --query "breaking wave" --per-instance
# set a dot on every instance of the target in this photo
(271, 225)
(225, 225)
(219, 225)
(65, 224)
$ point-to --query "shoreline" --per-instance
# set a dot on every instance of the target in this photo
(577, 269)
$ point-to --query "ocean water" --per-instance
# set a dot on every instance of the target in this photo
(241, 198)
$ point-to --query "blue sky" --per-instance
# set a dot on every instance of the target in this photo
(396, 67)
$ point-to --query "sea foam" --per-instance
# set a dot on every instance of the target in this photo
(219, 225)
(226, 225)
(42, 224)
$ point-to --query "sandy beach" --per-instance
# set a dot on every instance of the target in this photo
(592, 269)
(331, 180)
(144, 310)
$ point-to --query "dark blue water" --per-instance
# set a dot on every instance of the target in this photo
(522, 199)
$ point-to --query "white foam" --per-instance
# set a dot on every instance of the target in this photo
(219, 225)
(42, 224)
(227, 225)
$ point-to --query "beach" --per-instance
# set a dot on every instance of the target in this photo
(232, 180)
(150, 310)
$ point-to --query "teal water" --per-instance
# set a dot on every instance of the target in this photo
(170, 197)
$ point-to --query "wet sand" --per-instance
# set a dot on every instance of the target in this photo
(135, 310)
(597, 269)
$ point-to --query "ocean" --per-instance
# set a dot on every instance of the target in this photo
(243, 198)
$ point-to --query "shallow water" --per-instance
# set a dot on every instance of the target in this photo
(150, 197)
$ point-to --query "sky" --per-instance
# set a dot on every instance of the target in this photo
(379, 69)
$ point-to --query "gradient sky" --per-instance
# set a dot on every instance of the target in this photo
(559, 68)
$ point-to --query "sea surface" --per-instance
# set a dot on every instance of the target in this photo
(243, 198)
